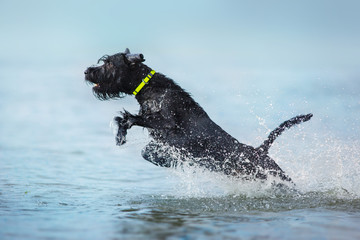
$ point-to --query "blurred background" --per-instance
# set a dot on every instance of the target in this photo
(242, 60)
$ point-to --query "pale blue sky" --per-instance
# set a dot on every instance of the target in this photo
(267, 34)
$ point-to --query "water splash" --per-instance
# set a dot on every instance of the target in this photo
(195, 181)
(331, 169)
(328, 164)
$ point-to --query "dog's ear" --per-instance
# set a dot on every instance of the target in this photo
(135, 58)
(127, 51)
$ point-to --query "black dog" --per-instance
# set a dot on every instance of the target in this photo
(182, 132)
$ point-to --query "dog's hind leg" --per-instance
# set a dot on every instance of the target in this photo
(264, 148)
(158, 154)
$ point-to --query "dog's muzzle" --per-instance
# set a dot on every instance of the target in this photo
(88, 74)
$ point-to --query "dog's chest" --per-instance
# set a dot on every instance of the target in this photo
(150, 106)
(155, 105)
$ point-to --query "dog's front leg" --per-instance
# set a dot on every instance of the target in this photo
(125, 122)
(122, 130)
(153, 121)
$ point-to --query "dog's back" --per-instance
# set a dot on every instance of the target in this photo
(189, 129)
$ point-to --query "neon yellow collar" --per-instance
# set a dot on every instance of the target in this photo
(144, 82)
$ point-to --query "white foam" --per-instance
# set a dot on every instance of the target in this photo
(199, 182)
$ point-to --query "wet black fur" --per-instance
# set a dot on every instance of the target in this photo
(178, 125)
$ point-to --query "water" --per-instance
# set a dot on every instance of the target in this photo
(62, 177)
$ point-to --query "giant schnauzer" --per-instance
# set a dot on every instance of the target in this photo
(181, 131)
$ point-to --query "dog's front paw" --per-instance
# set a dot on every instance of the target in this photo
(121, 132)
(121, 136)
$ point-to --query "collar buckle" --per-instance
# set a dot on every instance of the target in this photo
(144, 82)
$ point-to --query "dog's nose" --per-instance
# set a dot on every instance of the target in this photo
(86, 71)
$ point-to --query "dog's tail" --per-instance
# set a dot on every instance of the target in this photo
(264, 148)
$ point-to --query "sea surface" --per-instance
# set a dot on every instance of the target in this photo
(62, 177)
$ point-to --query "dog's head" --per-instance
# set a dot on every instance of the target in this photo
(116, 76)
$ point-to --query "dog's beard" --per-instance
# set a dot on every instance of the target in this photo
(104, 89)
(104, 93)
